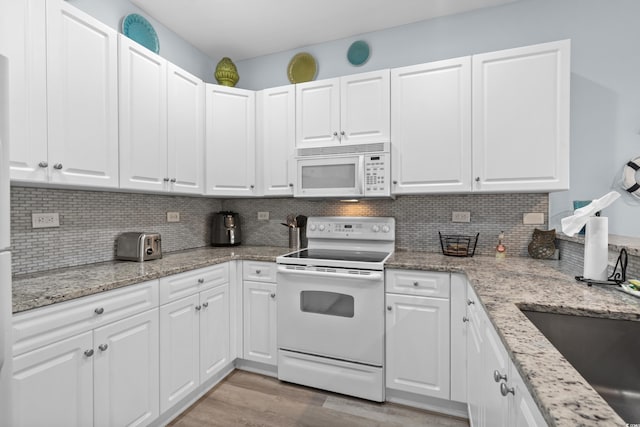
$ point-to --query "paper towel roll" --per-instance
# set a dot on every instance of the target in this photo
(596, 248)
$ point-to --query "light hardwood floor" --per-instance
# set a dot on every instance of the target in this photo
(248, 399)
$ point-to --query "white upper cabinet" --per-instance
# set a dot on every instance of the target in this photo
(65, 102)
(230, 141)
(275, 124)
(143, 118)
(161, 123)
(185, 131)
(431, 127)
(521, 118)
(348, 110)
(28, 158)
(82, 89)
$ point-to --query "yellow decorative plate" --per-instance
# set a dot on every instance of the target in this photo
(302, 68)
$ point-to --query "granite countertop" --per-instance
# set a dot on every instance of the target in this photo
(504, 286)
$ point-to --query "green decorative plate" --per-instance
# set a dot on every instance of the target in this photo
(358, 53)
(302, 68)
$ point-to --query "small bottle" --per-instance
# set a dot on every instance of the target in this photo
(501, 251)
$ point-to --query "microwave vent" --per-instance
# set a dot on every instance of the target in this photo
(343, 149)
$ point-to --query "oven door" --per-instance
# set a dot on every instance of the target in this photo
(332, 312)
(340, 176)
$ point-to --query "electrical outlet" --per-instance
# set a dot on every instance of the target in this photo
(263, 216)
(460, 216)
(533, 218)
(45, 220)
(173, 216)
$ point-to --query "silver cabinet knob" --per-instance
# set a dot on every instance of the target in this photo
(342, 133)
(505, 389)
(252, 186)
(201, 280)
(103, 347)
(173, 180)
(273, 295)
(99, 310)
(395, 182)
(335, 134)
(205, 304)
(465, 319)
(57, 166)
(291, 184)
(88, 353)
(165, 179)
(43, 164)
(497, 376)
(470, 302)
(258, 271)
(477, 179)
(389, 308)
(415, 283)
(198, 307)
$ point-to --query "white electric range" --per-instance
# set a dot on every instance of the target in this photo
(331, 306)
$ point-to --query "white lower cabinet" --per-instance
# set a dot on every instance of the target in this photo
(417, 333)
(259, 322)
(194, 332)
(104, 377)
(496, 393)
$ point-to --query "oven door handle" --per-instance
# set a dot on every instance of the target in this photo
(368, 277)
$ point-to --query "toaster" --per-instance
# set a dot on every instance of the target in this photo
(135, 246)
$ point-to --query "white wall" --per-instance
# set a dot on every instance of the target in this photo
(605, 88)
(172, 47)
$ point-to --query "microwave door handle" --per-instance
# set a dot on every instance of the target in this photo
(361, 176)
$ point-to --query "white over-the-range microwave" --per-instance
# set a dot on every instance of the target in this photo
(346, 171)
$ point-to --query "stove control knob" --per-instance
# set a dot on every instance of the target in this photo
(375, 228)
(321, 227)
(312, 227)
(385, 229)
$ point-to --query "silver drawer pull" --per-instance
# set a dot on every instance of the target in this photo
(273, 295)
(57, 166)
(504, 389)
(497, 376)
(103, 347)
(465, 319)
(201, 280)
(389, 308)
(198, 307)
(99, 310)
(205, 304)
(470, 302)
(415, 283)
(88, 353)
(258, 271)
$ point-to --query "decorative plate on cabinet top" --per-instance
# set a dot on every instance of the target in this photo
(302, 68)
(138, 29)
(358, 52)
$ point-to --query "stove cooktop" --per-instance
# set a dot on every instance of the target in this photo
(338, 255)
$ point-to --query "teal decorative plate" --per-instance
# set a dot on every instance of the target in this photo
(358, 53)
(138, 29)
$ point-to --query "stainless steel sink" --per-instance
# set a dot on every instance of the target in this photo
(606, 352)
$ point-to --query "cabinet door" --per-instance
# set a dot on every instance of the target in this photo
(431, 127)
(318, 113)
(260, 322)
(53, 385)
(417, 345)
(82, 97)
(27, 49)
(524, 411)
(459, 320)
(185, 131)
(126, 370)
(214, 331)
(230, 141)
(179, 350)
(475, 363)
(276, 140)
(365, 108)
(521, 118)
(495, 359)
(143, 117)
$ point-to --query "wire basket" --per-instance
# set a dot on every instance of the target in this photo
(458, 244)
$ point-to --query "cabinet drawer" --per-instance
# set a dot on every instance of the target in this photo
(35, 328)
(424, 283)
(259, 271)
(184, 284)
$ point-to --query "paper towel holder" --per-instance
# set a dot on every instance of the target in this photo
(617, 277)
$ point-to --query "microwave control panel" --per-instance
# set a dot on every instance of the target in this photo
(376, 175)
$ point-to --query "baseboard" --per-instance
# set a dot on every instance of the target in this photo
(257, 367)
(433, 404)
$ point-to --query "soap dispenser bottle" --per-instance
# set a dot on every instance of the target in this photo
(501, 250)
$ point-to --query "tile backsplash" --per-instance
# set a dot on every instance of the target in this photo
(91, 220)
